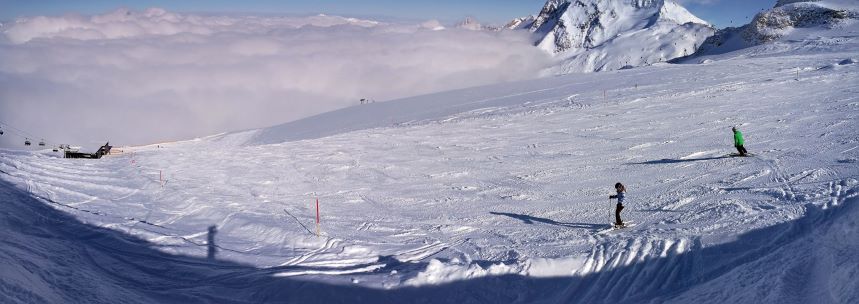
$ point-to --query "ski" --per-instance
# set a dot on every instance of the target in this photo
(614, 227)
(738, 155)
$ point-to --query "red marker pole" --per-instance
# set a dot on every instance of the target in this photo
(317, 216)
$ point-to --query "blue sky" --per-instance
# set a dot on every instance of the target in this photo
(719, 12)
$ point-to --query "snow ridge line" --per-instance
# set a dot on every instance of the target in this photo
(627, 272)
(51, 201)
(134, 221)
(329, 243)
(48, 200)
(409, 255)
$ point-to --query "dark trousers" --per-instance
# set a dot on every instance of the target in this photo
(617, 211)
(742, 150)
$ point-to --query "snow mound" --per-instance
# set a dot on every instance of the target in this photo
(592, 35)
(807, 261)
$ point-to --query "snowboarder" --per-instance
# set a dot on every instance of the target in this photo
(738, 141)
(620, 190)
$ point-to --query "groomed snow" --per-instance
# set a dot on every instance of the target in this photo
(491, 194)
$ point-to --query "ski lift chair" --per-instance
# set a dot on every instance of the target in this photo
(42, 143)
(27, 142)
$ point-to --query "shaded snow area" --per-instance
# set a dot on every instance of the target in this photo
(495, 194)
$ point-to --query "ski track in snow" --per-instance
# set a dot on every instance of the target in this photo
(500, 184)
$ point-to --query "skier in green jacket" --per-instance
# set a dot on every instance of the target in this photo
(738, 142)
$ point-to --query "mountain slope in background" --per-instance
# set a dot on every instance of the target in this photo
(789, 19)
(596, 35)
(520, 23)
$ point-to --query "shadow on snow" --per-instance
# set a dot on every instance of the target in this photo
(54, 257)
(528, 219)
(675, 161)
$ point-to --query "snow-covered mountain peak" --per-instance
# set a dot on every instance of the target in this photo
(674, 12)
(570, 24)
(520, 23)
(777, 22)
(788, 19)
(596, 35)
(469, 23)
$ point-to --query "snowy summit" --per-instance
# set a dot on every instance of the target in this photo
(599, 35)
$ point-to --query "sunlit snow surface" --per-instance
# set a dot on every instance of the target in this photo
(509, 181)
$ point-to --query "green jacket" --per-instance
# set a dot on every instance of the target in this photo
(738, 138)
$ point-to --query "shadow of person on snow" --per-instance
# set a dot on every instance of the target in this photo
(528, 219)
(211, 248)
(675, 161)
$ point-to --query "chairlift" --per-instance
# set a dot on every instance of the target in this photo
(42, 143)
(27, 142)
(1, 131)
(56, 150)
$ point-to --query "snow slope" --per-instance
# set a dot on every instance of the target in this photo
(490, 194)
(597, 35)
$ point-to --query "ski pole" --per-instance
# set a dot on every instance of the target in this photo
(609, 209)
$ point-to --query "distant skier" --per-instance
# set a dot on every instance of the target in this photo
(620, 190)
(738, 141)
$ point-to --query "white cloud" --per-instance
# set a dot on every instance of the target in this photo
(156, 75)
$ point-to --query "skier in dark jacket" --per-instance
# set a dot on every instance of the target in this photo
(738, 141)
(620, 191)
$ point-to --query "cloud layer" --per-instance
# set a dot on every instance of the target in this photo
(138, 77)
